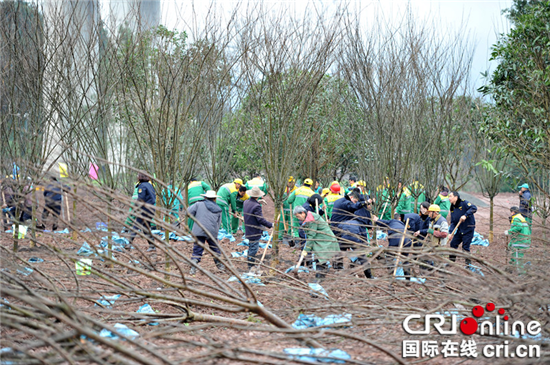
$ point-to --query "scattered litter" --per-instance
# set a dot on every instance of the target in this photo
(381, 235)
(83, 267)
(247, 243)
(85, 230)
(320, 355)
(4, 300)
(107, 301)
(146, 308)
(119, 243)
(36, 259)
(175, 237)
(100, 226)
(265, 236)
(239, 253)
(221, 234)
(121, 330)
(9, 231)
(86, 250)
(400, 275)
(475, 270)
(310, 320)
(26, 271)
(250, 279)
(318, 289)
(230, 237)
(63, 231)
(136, 262)
(300, 269)
(479, 241)
(22, 231)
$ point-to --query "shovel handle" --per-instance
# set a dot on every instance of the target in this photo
(270, 238)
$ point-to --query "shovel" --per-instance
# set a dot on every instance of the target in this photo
(259, 270)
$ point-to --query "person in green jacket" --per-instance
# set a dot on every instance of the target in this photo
(383, 197)
(333, 196)
(443, 201)
(290, 187)
(406, 200)
(418, 194)
(236, 217)
(296, 199)
(520, 238)
(320, 240)
(195, 189)
(259, 182)
(227, 200)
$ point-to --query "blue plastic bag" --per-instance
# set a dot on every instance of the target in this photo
(146, 308)
(479, 241)
(119, 329)
(400, 275)
(311, 320)
(239, 254)
(26, 271)
(64, 231)
(36, 260)
(300, 269)
(100, 226)
(318, 289)
(107, 301)
(250, 279)
(86, 250)
(313, 355)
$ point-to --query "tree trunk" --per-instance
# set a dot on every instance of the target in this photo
(167, 240)
(33, 218)
(491, 206)
(275, 240)
(109, 234)
(74, 212)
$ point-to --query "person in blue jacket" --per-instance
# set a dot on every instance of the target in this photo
(396, 228)
(462, 216)
(525, 203)
(53, 197)
(145, 210)
(344, 209)
(354, 236)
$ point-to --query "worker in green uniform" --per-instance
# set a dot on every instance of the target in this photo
(332, 196)
(296, 199)
(288, 216)
(520, 239)
(259, 182)
(443, 201)
(405, 203)
(195, 189)
(227, 200)
(236, 217)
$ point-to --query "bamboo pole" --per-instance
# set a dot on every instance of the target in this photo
(400, 247)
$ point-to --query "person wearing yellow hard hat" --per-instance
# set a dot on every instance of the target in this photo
(296, 199)
(227, 200)
(438, 228)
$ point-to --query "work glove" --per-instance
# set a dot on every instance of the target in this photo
(430, 231)
(304, 253)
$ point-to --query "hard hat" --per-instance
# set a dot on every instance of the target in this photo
(238, 181)
(308, 182)
(335, 182)
(325, 191)
(362, 183)
(335, 188)
(434, 208)
(291, 179)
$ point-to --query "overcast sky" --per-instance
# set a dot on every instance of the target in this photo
(482, 20)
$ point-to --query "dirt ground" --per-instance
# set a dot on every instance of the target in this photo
(374, 306)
